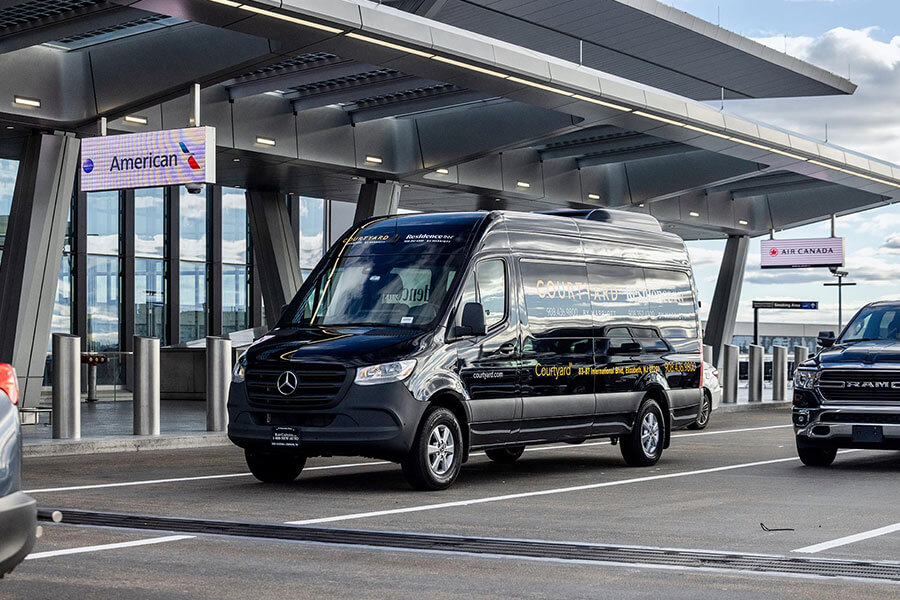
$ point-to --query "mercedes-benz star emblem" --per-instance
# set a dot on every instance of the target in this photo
(287, 383)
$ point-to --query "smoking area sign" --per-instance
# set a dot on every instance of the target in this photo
(151, 159)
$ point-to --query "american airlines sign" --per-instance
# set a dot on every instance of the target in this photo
(151, 159)
(815, 252)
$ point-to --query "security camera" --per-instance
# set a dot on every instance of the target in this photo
(194, 188)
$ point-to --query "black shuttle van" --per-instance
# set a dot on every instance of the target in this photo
(421, 338)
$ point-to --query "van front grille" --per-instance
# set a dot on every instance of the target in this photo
(317, 386)
(860, 386)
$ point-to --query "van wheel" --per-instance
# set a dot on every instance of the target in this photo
(435, 458)
(812, 456)
(705, 411)
(274, 468)
(644, 445)
(505, 456)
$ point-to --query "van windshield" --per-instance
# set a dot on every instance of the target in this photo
(404, 290)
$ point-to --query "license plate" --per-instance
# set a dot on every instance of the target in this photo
(868, 434)
(285, 437)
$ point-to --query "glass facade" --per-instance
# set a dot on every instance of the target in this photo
(235, 261)
(8, 169)
(103, 268)
(192, 309)
(312, 232)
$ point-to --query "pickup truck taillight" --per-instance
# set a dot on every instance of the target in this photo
(9, 383)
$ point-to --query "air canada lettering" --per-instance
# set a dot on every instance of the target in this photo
(801, 251)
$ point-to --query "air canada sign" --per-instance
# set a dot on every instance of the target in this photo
(789, 254)
(151, 159)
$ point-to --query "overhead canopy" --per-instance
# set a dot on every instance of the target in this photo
(347, 90)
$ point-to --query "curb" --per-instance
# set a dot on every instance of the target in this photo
(747, 406)
(123, 444)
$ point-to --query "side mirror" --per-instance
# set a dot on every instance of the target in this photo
(825, 339)
(472, 321)
(626, 348)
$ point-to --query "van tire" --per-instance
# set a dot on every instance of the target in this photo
(505, 456)
(423, 467)
(274, 468)
(643, 446)
(813, 456)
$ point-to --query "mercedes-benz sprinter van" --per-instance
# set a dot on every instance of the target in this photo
(422, 338)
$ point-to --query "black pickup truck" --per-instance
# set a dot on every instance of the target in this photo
(848, 395)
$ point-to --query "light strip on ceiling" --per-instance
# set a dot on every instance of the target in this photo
(641, 113)
(601, 102)
(477, 69)
(788, 154)
(275, 15)
(227, 3)
(708, 132)
(391, 45)
(540, 86)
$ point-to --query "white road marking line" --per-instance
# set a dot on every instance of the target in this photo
(850, 539)
(98, 486)
(116, 546)
(564, 490)
(181, 479)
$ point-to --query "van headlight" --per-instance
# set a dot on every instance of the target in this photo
(237, 374)
(385, 372)
(804, 379)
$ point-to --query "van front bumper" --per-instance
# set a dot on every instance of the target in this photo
(378, 421)
(18, 528)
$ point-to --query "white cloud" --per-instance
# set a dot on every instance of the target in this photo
(704, 256)
(867, 120)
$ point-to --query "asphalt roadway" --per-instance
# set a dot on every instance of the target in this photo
(711, 491)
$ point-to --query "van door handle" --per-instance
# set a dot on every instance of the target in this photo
(507, 348)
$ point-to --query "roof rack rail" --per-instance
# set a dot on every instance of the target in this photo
(620, 218)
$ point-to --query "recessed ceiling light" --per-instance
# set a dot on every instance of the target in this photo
(594, 196)
(10, 127)
(235, 160)
(523, 184)
(137, 120)
(694, 213)
(641, 205)
(264, 141)
(442, 171)
(743, 222)
(375, 160)
(31, 102)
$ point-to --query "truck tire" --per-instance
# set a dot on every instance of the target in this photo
(643, 446)
(813, 456)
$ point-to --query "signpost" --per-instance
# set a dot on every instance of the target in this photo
(150, 159)
(840, 286)
(792, 254)
(778, 304)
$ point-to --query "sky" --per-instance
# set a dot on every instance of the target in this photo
(856, 37)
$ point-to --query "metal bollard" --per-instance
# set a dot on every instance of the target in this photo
(707, 353)
(801, 353)
(755, 372)
(66, 399)
(779, 373)
(218, 382)
(730, 374)
(92, 383)
(146, 386)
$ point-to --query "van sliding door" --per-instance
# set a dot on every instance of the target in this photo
(557, 352)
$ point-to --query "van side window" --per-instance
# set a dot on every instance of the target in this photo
(487, 285)
(618, 294)
(557, 299)
(649, 339)
(671, 302)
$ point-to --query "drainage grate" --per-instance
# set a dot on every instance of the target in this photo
(600, 553)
